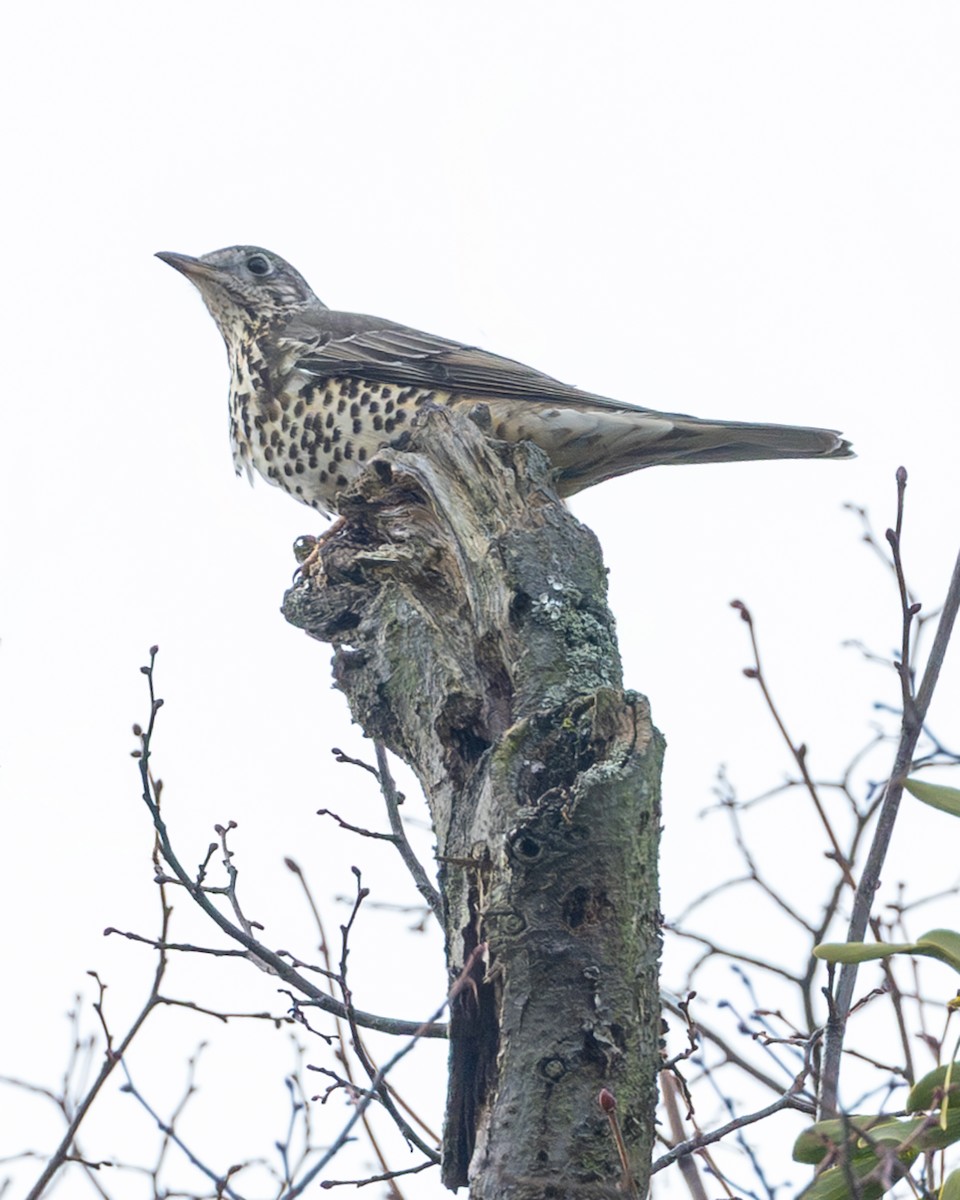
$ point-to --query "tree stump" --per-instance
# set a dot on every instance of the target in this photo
(467, 608)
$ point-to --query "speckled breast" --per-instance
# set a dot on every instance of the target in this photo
(313, 436)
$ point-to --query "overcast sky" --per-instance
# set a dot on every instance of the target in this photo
(741, 210)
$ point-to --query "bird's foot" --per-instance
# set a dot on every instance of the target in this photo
(306, 549)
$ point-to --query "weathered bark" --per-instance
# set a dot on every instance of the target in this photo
(468, 611)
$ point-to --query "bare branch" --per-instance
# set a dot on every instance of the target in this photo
(270, 958)
(914, 716)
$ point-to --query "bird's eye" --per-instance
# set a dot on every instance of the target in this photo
(258, 265)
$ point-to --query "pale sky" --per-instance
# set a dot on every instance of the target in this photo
(742, 210)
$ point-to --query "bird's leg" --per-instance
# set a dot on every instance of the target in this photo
(306, 549)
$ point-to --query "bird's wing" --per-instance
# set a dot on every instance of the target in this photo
(374, 349)
(332, 344)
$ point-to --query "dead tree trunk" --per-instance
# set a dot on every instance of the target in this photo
(468, 612)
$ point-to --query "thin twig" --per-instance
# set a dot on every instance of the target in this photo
(349, 1082)
(790, 1100)
(273, 960)
(386, 1177)
(167, 1129)
(112, 1057)
(411, 862)
(730, 1055)
(914, 716)
(371, 1094)
(799, 753)
(373, 1074)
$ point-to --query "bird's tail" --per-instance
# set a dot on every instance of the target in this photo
(590, 444)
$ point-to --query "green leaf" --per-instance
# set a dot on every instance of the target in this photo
(951, 1187)
(912, 1133)
(814, 1143)
(921, 1096)
(834, 1182)
(859, 1136)
(938, 1137)
(858, 952)
(947, 799)
(856, 1135)
(943, 944)
(896, 1132)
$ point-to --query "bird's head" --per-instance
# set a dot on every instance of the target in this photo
(244, 286)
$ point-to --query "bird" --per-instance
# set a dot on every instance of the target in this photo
(315, 393)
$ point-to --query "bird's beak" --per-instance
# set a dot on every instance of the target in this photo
(193, 268)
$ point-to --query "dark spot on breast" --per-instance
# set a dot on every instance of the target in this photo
(389, 406)
(355, 408)
(299, 468)
(362, 454)
(268, 454)
(287, 469)
(341, 481)
(329, 421)
(348, 450)
(374, 406)
(357, 426)
(386, 393)
(378, 423)
(389, 424)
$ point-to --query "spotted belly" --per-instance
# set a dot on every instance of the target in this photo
(314, 437)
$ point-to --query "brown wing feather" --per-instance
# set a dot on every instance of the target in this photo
(355, 344)
(351, 344)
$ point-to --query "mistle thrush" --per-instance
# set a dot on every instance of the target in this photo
(315, 393)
